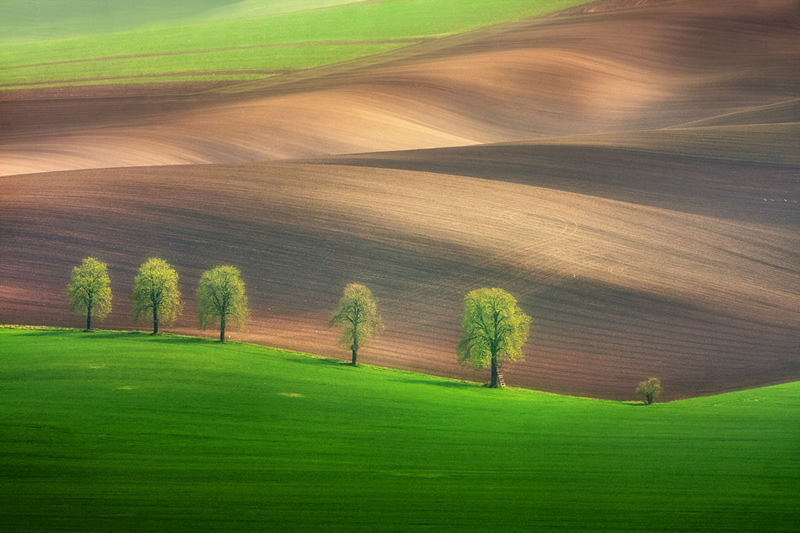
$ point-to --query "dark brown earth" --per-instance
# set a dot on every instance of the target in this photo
(642, 203)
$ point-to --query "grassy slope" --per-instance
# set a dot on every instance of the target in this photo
(121, 431)
(23, 20)
(360, 22)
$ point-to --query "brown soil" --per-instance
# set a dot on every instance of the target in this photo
(642, 68)
(640, 248)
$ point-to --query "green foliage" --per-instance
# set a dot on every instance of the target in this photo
(357, 315)
(493, 330)
(90, 290)
(155, 292)
(649, 390)
(130, 432)
(221, 299)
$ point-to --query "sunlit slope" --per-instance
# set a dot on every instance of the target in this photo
(644, 68)
(632, 262)
(128, 432)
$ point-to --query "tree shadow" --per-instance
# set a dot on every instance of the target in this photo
(636, 403)
(306, 360)
(443, 383)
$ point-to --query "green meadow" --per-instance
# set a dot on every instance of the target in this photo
(213, 35)
(122, 431)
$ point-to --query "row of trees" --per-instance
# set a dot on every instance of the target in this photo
(221, 296)
(493, 328)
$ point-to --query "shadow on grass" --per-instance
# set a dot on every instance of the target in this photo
(440, 383)
(310, 360)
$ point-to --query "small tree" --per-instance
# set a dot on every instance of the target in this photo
(90, 290)
(649, 390)
(493, 330)
(357, 315)
(221, 296)
(156, 290)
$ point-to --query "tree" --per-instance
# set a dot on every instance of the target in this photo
(649, 389)
(493, 330)
(156, 289)
(221, 296)
(90, 290)
(357, 315)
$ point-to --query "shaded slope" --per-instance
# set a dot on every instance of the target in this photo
(741, 173)
(632, 263)
(635, 69)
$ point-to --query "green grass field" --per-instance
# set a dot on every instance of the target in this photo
(24, 20)
(220, 35)
(114, 431)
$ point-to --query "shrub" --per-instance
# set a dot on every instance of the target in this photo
(649, 390)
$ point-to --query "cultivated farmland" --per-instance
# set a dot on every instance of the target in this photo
(628, 170)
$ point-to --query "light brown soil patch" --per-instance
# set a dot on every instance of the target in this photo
(642, 68)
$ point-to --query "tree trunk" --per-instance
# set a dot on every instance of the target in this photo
(354, 347)
(89, 317)
(222, 328)
(155, 320)
(494, 371)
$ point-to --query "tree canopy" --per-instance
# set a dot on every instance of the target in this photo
(649, 390)
(493, 330)
(357, 315)
(90, 290)
(155, 292)
(221, 297)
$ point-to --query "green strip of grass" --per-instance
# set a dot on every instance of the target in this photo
(124, 431)
(263, 59)
(50, 19)
(374, 22)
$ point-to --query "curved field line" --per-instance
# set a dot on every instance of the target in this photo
(188, 74)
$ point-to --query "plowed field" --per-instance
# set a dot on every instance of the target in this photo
(631, 175)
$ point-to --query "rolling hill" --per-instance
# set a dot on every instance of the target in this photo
(126, 432)
(627, 169)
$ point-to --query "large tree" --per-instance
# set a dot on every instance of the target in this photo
(90, 290)
(221, 297)
(357, 315)
(493, 330)
(155, 291)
